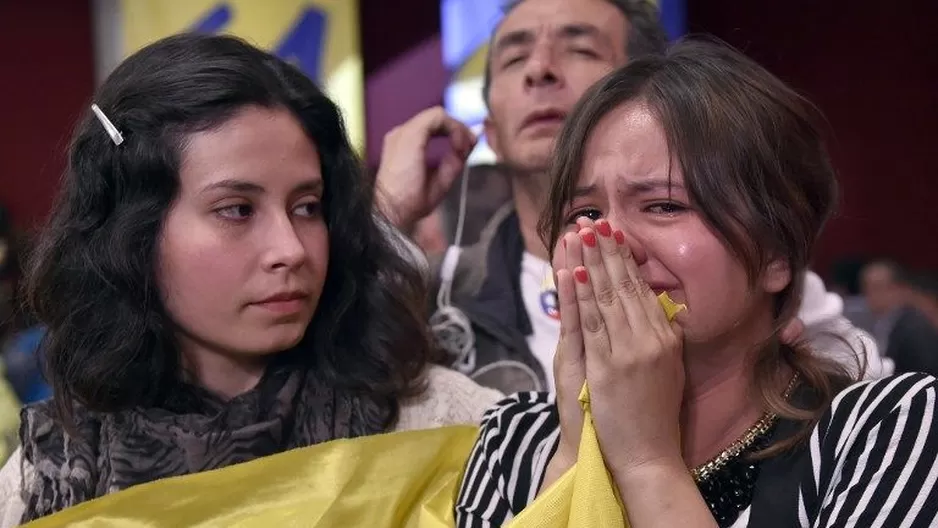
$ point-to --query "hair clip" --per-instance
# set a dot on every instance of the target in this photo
(112, 130)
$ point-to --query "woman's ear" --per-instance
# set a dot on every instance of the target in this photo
(777, 276)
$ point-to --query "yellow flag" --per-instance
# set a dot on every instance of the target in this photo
(399, 480)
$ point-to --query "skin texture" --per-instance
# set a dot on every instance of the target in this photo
(246, 226)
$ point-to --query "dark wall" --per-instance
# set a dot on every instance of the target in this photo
(872, 67)
(47, 75)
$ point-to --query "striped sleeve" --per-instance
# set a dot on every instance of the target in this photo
(874, 457)
(506, 467)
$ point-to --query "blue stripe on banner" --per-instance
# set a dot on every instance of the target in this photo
(214, 20)
(304, 44)
(673, 17)
(466, 25)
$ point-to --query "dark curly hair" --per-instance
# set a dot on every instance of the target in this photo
(92, 278)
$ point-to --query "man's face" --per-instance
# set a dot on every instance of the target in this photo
(882, 291)
(545, 55)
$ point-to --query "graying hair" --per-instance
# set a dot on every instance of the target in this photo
(645, 33)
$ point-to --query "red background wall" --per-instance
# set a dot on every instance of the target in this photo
(871, 67)
(46, 77)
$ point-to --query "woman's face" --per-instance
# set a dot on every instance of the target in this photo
(244, 248)
(625, 179)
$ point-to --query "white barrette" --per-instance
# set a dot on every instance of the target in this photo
(112, 130)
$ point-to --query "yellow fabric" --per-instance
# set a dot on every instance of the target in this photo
(9, 418)
(585, 495)
(671, 308)
(400, 480)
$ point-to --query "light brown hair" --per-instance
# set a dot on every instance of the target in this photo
(755, 168)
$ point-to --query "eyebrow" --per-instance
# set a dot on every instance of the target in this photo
(647, 186)
(521, 37)
(246, 187)
(583, 191)
(631, 187)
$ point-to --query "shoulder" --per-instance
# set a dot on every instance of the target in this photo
(520, 426)
(873, 453)
(449, 399)
(12, 477)
(522, 406)
(47, 446)
(531, 415)
(471, 269)
(507, 465)
(863, 408)
(863, 405)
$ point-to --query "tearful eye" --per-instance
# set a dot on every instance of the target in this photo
(235, 212)
(592, 214)
(666, 208)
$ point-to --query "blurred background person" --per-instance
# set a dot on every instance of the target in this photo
(924, 286)
(905, 334)
(845, 281)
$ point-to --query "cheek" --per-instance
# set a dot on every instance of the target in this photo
(199, 272)
(712, 283)
(316, 244)
(585, 75)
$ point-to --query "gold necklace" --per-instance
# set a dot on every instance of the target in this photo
(708, 468)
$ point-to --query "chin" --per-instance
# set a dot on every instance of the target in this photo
(534, 156)
(281, 339)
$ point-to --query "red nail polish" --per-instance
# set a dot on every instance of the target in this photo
(581, 276)
(589, 239)
(603, 228)
(620, 237)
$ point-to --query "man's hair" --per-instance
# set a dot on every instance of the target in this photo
(645, 33)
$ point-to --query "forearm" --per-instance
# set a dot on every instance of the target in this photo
(388, 206)
(662, 495)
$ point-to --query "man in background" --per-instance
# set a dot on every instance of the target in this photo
(906, 335)
(543, 56)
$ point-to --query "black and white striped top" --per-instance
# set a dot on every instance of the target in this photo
(872, 461)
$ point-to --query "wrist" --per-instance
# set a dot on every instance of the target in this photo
(388, 206)
(663, 469)
(564, 459)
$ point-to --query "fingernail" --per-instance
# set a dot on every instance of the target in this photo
(589, 239)
(620, 237)
(603, 228)
(580, 274)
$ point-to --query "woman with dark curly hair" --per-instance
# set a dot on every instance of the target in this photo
(216, 286)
